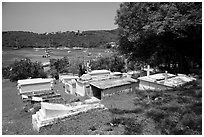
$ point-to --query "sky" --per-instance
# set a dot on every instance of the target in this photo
(40, 17)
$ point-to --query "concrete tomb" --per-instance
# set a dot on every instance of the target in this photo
(109, 87)
(34, 85)
(87, 84)
(83, 83)
(50, 113)
(163, 81)
(66, 78)
(70, 87)
(99, 72)
(40, 96)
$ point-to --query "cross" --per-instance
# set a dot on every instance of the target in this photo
(148, 69)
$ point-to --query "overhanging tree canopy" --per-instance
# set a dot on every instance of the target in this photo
(161, 33)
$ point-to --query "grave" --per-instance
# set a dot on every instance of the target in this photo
(70, 87)
(51, 113)
(99, 73)
(83, 83)
(109, 87)
(87, 83)
(162, 81)
(67, 77)
(34, 85)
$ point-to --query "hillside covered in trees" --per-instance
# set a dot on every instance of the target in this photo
(87, 39)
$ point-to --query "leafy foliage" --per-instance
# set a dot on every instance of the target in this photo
(23, 69)
(158, 33)
(6, 72)
(59, 66)
(114, 63)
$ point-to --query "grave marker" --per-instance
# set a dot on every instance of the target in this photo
(148, 69)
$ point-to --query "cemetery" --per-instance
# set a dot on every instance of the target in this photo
(144, 77)
(96, 85)
(48, 106)
(95, 91)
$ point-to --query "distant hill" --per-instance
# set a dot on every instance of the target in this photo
(87, 39)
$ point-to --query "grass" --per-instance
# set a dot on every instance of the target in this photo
(9, 55)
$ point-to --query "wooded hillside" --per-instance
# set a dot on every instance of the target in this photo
(88, 39)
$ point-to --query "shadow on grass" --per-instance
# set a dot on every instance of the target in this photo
(156, 114)
(120, 112)
(130, 124)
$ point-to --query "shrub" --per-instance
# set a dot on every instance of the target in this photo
(115, 63)
(60, 65)
(6, 72)
(24, 69)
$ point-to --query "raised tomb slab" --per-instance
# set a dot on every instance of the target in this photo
(50, 113)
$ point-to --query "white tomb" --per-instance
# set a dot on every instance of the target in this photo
(51, 113)
(34, 85)
(66, 78)
(83, 83)
(163, 81)
(70, 87)
(99, 72)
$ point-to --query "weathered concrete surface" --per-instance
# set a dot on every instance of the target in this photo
(50, 113)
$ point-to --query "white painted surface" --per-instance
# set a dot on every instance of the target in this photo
(163, 81)
(51, 113)
(67, 78)
(80, 88)
(34, 87)
(34, 81)
(70, 87)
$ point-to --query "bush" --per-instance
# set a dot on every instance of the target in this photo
(115, 63)
(60, 65)
(6, 72)
(24, 69)
(53, 73)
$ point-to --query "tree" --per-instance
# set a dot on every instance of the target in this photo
(60, 65)
(24, 68)
(161, 33)
(114, 63)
